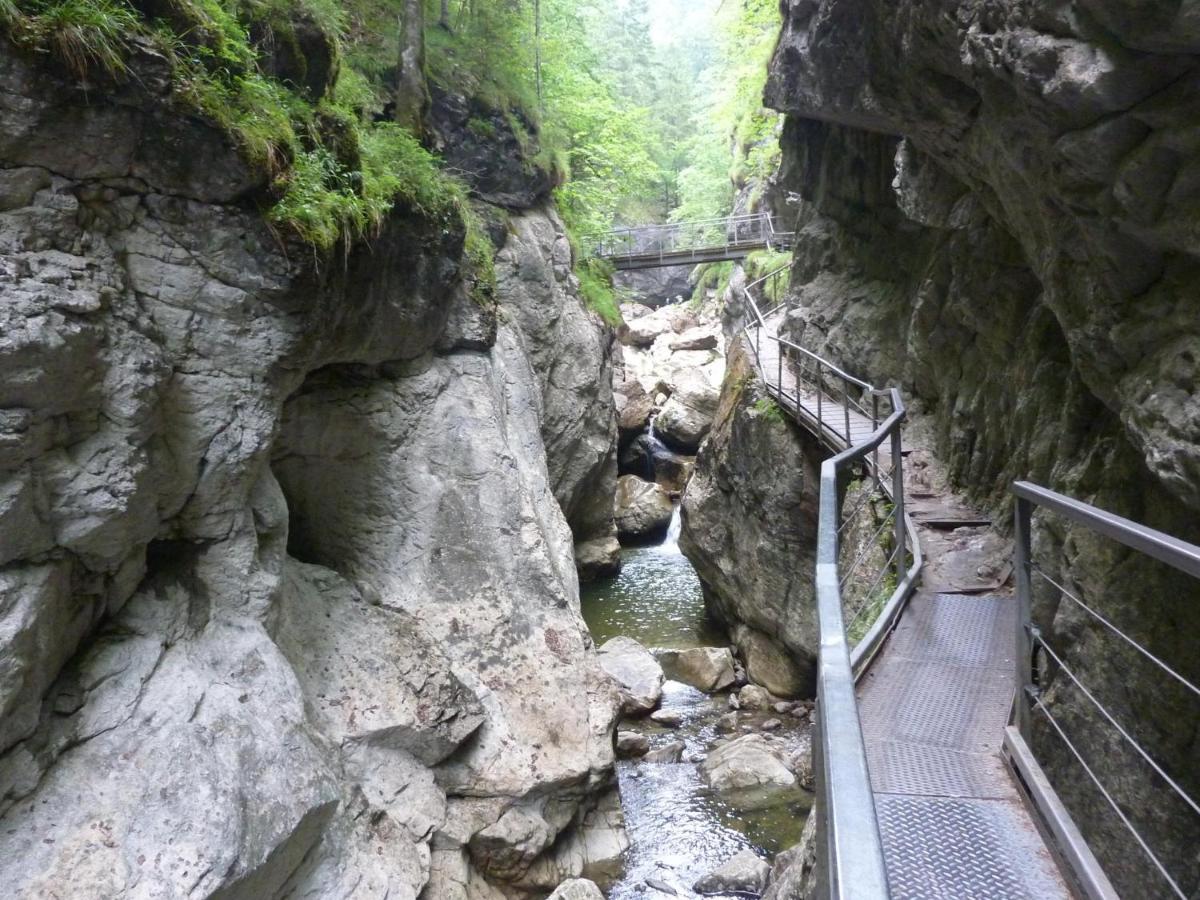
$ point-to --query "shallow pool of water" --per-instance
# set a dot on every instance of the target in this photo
(679, 829)
(656, 600)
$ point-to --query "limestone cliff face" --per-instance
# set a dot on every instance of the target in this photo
(287, 595)
(749, 519)
(570, 349)
(999, 212)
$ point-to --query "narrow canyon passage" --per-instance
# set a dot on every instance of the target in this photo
(398, 500)
(681, 829)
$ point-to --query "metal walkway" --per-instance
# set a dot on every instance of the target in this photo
(933, 699)
(687, 243)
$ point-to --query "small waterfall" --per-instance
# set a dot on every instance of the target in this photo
(670, 543)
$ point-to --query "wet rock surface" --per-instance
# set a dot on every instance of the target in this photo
(746, 873)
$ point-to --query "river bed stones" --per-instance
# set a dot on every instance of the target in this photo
(745, 873)
(667, 753)
(667, 718)
(750, 761)
(577, 889)
(708, 669)
(631, 744)
(638, 675)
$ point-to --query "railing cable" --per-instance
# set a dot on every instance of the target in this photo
(870, 544)
(1117, 725)
(1117, 631)
(1037, 702)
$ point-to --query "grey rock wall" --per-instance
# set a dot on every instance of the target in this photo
(288, 601)
(749, 520)
(570, 348)
(997, 201)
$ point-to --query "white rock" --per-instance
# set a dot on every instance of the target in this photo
(706, 668)
(745, 873)
(638, 675)
(577, 889)
(746, 762)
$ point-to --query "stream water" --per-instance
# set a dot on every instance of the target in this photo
(679, 829)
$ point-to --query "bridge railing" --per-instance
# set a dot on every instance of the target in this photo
(828, 401)
(1127, 737)
(679, 241)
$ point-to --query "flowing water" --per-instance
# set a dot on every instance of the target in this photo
(678, 828)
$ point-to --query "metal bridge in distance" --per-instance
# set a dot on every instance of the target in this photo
(688, 243)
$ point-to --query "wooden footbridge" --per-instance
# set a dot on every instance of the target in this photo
(688, 243)
(927, 786)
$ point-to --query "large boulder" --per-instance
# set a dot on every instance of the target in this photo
(708, 669)
(697, 338)
(634, 407)
(750, 761)
(769, 664)
(636, 672)
(688, 415)
(643, 510)
(745, 873)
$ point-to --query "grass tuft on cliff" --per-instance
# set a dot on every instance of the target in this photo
(84, 34)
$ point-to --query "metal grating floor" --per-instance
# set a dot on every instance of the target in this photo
(933, 710)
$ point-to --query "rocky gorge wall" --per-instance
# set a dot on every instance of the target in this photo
(289, 604)
(998, 214)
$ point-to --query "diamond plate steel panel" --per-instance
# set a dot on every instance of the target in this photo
(908, 768)
(958, 630)
(956, 849)
(956, 707)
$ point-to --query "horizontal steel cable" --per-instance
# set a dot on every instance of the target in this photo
(1037, 701)
(1117, 631)
(1115, 724)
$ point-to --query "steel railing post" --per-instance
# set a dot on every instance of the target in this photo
(1023, 513)
(779, 367)
(874, 428)
(820, 402)
(898, 503)
(846, 410)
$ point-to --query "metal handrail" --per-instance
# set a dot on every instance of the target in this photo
(1030, 642)
(619, 244)
(852, 865)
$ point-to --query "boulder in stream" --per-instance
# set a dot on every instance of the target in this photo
(688, 415)
(631, 744)
(708, 669)
(749, 761)
(697, 338)
(667, 753)
(745, 873)
(637, 673)
(755, 697)
(577, 889)
(643, 510)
